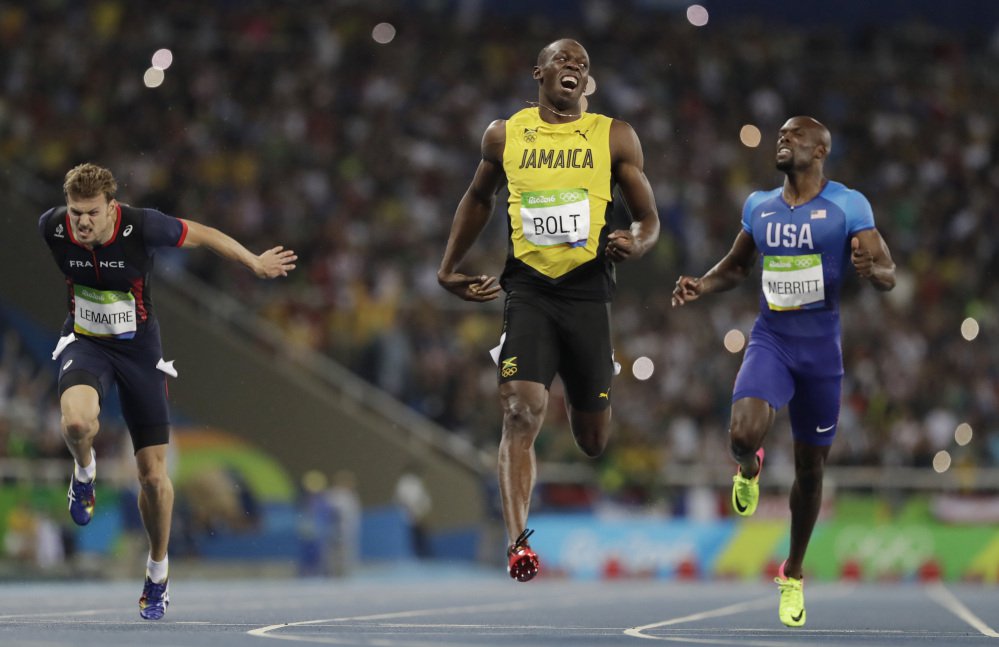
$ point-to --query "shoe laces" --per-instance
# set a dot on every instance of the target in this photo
(82, 491)
(788, 584)
(521, 542)
(154, 592)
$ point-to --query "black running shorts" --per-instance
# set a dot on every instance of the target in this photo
(546, 335)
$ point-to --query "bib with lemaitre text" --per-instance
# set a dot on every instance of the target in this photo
(794, 282)
(104, 313)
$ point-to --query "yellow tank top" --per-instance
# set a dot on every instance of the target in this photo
(559, 178)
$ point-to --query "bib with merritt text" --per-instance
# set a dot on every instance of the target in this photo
(794, 282)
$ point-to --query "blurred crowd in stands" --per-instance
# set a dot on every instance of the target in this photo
(29, 407)
(287, 123)
(29, 412)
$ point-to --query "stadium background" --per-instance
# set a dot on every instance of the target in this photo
(303, 124)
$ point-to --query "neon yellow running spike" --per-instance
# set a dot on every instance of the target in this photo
(746, 492)
(792, 599)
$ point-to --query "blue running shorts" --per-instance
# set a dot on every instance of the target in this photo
(804, 373)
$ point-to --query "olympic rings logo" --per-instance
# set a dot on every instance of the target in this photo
(509, 367)
(804, 261)
(571, 196)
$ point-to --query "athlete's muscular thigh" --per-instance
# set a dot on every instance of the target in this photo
(143, 391)
(586, 358)
(530, 351)
(85, 375)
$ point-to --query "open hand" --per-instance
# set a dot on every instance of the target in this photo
(275, 262)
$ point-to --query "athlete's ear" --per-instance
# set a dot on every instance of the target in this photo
(537, 73)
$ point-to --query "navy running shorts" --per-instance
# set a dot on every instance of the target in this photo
(130, 365)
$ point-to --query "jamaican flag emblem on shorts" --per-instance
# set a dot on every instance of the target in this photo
(508, 368)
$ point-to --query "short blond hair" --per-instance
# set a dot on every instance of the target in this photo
(88, 181)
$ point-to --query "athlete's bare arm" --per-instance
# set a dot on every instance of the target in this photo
(725, 275)
(474, 211)
(273, 263)
(872, 260)
(628, 169)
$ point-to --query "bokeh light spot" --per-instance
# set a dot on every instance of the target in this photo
(750, 136)
(963, 433)
(643, 368)
(162, 59)
(153, 78)
(383, 33)
(697, 15)
(941, 461)
(970, 328)
(734, 341)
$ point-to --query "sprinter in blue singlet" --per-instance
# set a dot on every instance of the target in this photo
(805, 233)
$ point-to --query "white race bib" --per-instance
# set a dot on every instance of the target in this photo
(793, 282)
(104, 313)
(557, 217)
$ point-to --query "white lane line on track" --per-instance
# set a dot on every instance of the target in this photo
(732, 609)
(942, 596)
(266, 632)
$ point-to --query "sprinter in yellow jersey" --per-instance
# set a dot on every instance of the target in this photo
(562, 165)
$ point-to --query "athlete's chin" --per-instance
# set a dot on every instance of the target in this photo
(568, 96)
(784, 165)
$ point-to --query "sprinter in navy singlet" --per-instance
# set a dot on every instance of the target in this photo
(110, 337)
(806, 233)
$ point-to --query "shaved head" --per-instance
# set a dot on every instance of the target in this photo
(816, 128)
(802, 142)
(554, 46)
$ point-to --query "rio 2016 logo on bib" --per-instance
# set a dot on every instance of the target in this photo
(555, 217)
(104, 313)
(794, 282)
